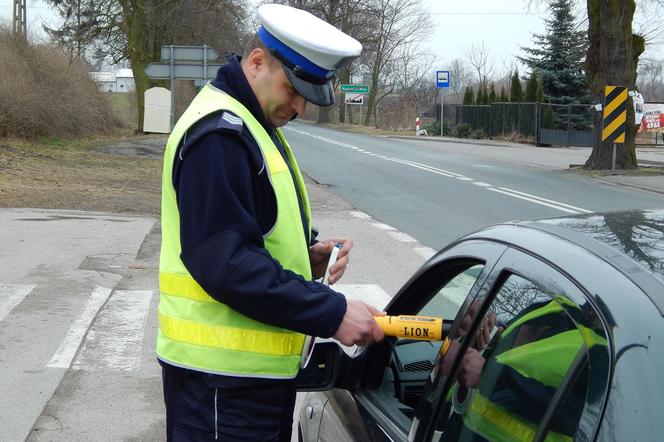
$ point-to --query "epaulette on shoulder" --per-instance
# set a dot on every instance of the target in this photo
(230, 121)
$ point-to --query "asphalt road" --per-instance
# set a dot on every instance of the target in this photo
(437, 193)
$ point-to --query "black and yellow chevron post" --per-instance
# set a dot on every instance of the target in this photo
(615, 114)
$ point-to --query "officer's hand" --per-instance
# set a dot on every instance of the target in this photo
(358, 327)
(483, 336)
(470, 369)
(319, 254)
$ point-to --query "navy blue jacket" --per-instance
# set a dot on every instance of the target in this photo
(226, 206)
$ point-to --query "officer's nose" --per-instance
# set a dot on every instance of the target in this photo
(299, 104)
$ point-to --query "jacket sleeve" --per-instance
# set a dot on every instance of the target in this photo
(222, 243)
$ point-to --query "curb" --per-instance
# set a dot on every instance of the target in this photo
(630, 186)
(462, 141)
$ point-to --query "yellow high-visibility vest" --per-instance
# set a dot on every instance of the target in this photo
(195, 330)
(546, 360)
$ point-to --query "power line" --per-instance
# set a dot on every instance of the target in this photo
(488, 13)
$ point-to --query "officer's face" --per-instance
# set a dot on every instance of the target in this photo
(279, 101)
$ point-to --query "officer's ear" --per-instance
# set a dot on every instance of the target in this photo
(257, 60)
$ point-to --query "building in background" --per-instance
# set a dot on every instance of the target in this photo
(121, 81)
(105, 81)
(124, 80)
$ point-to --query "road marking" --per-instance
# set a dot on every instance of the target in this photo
(361, 215)
(425, 252)
(12, 295)
(400, 236)
(417, 166)
(532, 200)
(372, 294)
(546, 200)
(115, 340)
(503, 190)
(539, 200)
(481, 184)
(65, 353)
(382, 226)
(482, 165)
(426, 167)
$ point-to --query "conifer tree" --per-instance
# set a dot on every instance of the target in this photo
(516, 93)
(558, 56)
(503, 95)
(540, 92)
(469, 96)
(492, 94)
(531, 87)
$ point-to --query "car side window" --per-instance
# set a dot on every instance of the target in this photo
(449, 298)
(525, 356)
(411, 360)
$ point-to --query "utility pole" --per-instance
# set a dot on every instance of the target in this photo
(20, 23)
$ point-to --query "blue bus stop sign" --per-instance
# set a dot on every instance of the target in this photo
(442, 79)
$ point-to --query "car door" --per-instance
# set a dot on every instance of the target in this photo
(396, 371)
(541, 375)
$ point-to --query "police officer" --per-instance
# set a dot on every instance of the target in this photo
(238, 255)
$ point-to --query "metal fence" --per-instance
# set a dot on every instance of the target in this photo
(540, 123)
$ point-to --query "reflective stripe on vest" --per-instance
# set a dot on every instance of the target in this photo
(493, 422)
(195, 330)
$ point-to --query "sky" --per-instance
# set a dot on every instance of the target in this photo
(502, 25)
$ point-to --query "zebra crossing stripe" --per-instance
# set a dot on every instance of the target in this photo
(372, 294)
(115, 340)
(65, 353)
(11, 295)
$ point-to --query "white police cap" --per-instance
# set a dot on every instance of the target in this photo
(310, 49)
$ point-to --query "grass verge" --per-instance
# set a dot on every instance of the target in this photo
(70, 174)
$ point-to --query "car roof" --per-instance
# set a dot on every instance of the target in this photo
(630, 241)
(638, 236)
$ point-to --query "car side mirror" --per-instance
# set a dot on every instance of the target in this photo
(329, 367)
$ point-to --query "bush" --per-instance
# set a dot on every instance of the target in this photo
(433, 128)
(478, 134)
(45, 93)
(463, 131)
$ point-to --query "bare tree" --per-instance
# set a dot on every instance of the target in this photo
(651, 79)
(478, 57)
(461, 75)
(136, 29)
(394, 24)
(413, 80)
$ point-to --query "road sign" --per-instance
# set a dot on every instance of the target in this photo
(162, 71)
(188, 53)
(354, 99)
(442, 78)
(615, 114)
(355, 88)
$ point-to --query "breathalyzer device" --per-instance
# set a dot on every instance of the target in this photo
(333, 258)
(425, 328)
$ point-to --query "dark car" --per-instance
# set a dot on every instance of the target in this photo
(576, 353)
